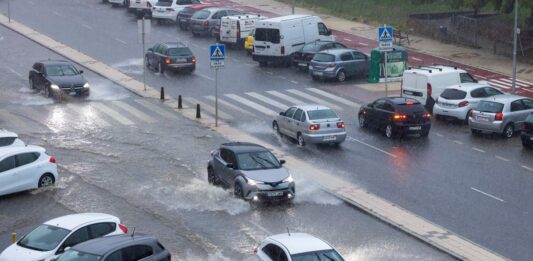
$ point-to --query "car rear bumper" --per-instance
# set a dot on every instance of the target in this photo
(323, 74)
(485, 127)
(527, 137)
(164, 15)
(458, 113)
(116, 1)
(337, 137)
(198, 28)
(270, 58)
(181, 66)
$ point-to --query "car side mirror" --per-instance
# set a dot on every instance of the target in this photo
(230, 165)
(282, 162)
(282, 113)
(81, 71)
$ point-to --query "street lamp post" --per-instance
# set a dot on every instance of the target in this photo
(293, 4)
(515, 36)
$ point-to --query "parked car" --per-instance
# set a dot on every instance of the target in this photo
(310, 124)
(170, 56)
(8, 138)
(184, 16)
(527, 132)
(55, 77)
(234, 29)
(120, 247)
(167, 10)
(302, 58)
(52, 238)
(296, 247)
(252, 171)
(426, 83)
(141, 8)
(24, 168)
(457, 101)
(396, 116)
(502, 114)
(205, 21)
(339, 64)
(116, 3)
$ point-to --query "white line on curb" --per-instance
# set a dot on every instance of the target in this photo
(416, 59)
(487, 194)
(346, 39)
(370, 146)
(363, 44)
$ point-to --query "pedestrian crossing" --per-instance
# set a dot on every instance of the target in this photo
(506, 84)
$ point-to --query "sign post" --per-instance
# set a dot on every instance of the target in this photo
(143, 29)
(216, 55)
(385, 34)
(9, 10)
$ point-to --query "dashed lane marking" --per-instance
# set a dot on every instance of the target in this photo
(56, 13)
(268, 100)
(502, 158)
(478, 150)
(487, 194)
(205, 76)
(251, 104)
(526, 167)
(14, 72)
(314, 99)
(295, 82)
(458, 142)
(438, 134)
(370, 146)
(87, 26)
(335, 97)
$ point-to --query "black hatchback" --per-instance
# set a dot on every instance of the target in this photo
(527, 132)
(175, 56)
(302, 58)
(396, 116)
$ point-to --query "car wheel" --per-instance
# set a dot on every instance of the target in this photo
(46, 180)
(527, 145)
(237, 191)
(275, 127)
(508, 131)
(300, 139)
(362, 121)
(211, 178)
(389, 131)
(160, 68)
(341, 76)
(32, 86)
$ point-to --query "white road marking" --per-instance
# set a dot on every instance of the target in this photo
(346, 39)
(283, 77)
(528, 83)
(527, 90)
(155, 108)
(56, 13)
(87, 26)
(314, 99)
(526, 167)
(251, 104)
(363, 44)
(295, 82)
(478, 150)
(416, 59)
(282, 96)
(479, 76)
(134, 111)
(458, 142)
(234, 60)
(501, 158)
(334, 97)
(370, 146)
(498, 85)
(502, 82)
(487, 194)
(113, 114)
(205, 76)
(15, 120)
(510, 82)
(270, 73)
(90, 116)
(211, 109)
(120, 41)
(268, 100)
(438, 134)
(14, 72)
(227, 104)
(261, 228)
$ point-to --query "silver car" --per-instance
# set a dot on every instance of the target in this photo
(252, 171)
(503, 114)
(205, 21)
(310, 124)
(339, 64)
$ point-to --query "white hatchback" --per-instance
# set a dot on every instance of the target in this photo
(457, 101)
(169, 9)
(8, 138)
(25, 167)
(52, 238)
(296, 246)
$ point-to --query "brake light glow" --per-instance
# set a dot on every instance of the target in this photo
(426, 115)
(123, 228)
(463, 103)
(254, 250)
(283, 50)
(167, 60)
(399, 117)
(52, 159)
(341, 125)
(194, 59)
(409, 103)
(429, 89)
(499, 116)
(314, 127)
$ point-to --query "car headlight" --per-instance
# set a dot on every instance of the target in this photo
(253, 182)
(54, 86)
(310, 67)
(289, 179)
(86, 85)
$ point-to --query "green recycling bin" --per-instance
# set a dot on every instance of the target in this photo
(397, 63)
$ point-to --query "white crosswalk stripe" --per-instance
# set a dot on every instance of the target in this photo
(251, 104)
(268, 100)
(134, 111)
(502, 83)
(203, 106)
(227, 104)
(155, 109)
(315, 99)
(510, 82)
(113, 114)
(290, 99)
(335, 97)
(90, 114)
(528, 83)
(498, 85)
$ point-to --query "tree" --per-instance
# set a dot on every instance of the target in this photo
(456, 4)
(507, 7)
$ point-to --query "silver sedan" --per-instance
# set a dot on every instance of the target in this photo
(310, 124)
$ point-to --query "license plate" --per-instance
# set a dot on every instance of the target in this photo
(415, 128)
(72, 93)
(330, 138)
(160, 11)
(302, 64)
(318, 73)
(183, 20)
(181, 60)
(275, 194)
(481, 118)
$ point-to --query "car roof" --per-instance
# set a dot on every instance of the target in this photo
(311, 107)
(401, 100)
(469, 86)
(285, 18)
(239, 147)
(339, 51)
(103, 245)
(7, 134)
(215, 9)
(297, 243)
(175, 45)
(54, 62)
(200, 6)
(504, 98)
(435, 69)
(73, 221)
(16, 149)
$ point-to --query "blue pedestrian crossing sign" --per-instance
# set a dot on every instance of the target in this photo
(385, 34)
(217, 52)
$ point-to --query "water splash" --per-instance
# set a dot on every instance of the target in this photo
(103, 90)
(130, 66)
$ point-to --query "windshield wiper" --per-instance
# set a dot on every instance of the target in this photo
(254, 157)
(266, 160)
(30, 247)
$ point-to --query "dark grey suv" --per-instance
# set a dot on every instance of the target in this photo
(118, 248)
(339, 64)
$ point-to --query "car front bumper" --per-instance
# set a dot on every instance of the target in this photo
(458, 113)
(325, 138)
(264, 192)
(496, 127)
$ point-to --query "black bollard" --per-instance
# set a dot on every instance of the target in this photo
(198, 116)
(162, 93)
(180, 106)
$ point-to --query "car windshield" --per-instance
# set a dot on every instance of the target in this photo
(465, 77)
(184, 51)
(322, 114)
(324, 57)
(44, 238)
(201, 15)
(326, 255)
(489, 106)
(257, 160)
(453, 94)
(60, 70)
(312, 47)
(73, 255)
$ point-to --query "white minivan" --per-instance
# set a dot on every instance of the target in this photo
(234, 29)
(426, 83)
(276, 39)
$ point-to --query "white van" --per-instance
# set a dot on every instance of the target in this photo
(426, 83)
(276, 39)
(234, 29)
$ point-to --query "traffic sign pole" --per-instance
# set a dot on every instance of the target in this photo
(216, 97)
(217, 55)
(386, 76)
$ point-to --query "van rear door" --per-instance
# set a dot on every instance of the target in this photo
(228, 30)
(410, 87)
(267, 41)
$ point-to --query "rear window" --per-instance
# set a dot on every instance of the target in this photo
(324, 57)
(416, 107)
(322, 114)
(489, 106)
(453, 94)
(164, 3)
(201, 15)
(179, 52)
(267, 35)
(6, 141)
(465, 77)
(312, 47)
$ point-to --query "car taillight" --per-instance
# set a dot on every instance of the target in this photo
(341, 125)
(426, 115)
(167, 60)
(254, 250)
(471, 113)
(463, 103)
(399, 117)
(314, 127)
(52, 159)
(283, 50)
(193, 59)
(429, 89)
(499, 116)
(409, 103)
(123, 228)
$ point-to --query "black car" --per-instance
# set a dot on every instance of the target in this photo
(527, 132)
(396, 116)
(302, 58)
(55, 77)
(175, 56)
(121, 247)
(184, 16)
